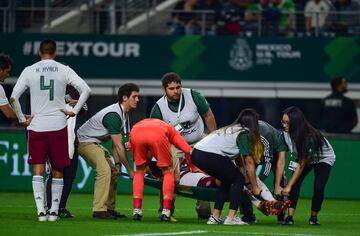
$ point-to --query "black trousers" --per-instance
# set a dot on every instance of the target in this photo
(222, 168)
(322, 172)
(69, 174)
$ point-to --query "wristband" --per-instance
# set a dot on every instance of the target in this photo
(117, 163)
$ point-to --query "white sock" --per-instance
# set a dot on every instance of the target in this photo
(39, 192)
(56, 190)
(166, 212)
(265, 193)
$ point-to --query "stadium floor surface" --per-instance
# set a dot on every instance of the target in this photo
(18, 217)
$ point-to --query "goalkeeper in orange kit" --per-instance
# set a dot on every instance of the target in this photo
(153, 137)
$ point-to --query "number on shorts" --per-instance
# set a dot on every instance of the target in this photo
(47, 87)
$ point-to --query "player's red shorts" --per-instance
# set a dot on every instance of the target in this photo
(49, 144)
(142, 141)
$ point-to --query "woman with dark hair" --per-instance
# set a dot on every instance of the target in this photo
(215, 154)
(310, 151)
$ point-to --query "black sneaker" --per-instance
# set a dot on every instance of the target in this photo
(164, 218)
(281, 218)
(250, 219)
(314, 221)
(103, 215)
(289, 221)
(116, 214)
(64, 213)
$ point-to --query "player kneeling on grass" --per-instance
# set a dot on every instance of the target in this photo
(153, 137)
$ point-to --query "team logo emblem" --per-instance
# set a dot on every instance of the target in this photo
(241, 55)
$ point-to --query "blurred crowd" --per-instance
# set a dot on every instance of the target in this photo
(266, 17)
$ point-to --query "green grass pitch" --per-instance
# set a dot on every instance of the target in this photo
(18, 217)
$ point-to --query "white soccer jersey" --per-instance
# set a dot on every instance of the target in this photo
(47, 80)
(222, 142)
(3, 98)
(188, 117)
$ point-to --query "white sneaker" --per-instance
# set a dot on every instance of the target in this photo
(53, 216)
(42, 217)
(234, 221)
(215, 221)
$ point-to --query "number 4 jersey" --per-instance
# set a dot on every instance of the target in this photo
(47, 80)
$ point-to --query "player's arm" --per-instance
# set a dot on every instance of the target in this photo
(279, 172)
(294, 177)
(251, 174)
(81, 86)
(244, 143)
(8, 112)
(205, 110)
(210, 121)
(19, 88)
(120, 153)
(112, 122)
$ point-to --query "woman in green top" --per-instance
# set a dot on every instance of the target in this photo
(311, 151)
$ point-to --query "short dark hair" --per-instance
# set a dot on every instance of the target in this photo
(169, 78)
(48, 46)
(5, 61)
(336, 81)
(126, 90)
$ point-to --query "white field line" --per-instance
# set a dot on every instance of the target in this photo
(268, 233)
(170, 233)
(219, 232)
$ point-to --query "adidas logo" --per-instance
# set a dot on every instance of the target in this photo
(38, 198)
(30, 157)
(56, 200)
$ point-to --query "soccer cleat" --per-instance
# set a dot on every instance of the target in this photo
(164, 218)
(137, 215)
(279, 206)
(64, 213)
(234, 221)
(314, 221)
(289, 221)
(250, 219)
(215, 221)
(53, 216)
(265, 207)
(165, 215)
(116, 214)
(42, 217)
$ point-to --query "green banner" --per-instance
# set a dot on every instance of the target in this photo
(15, 173)
(194, 57)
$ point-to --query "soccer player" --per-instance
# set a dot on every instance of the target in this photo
(110, 123)
(69, 172)
(153, 137)
(183, 108)
(47, 126)
(5, 69)
(310, 151)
